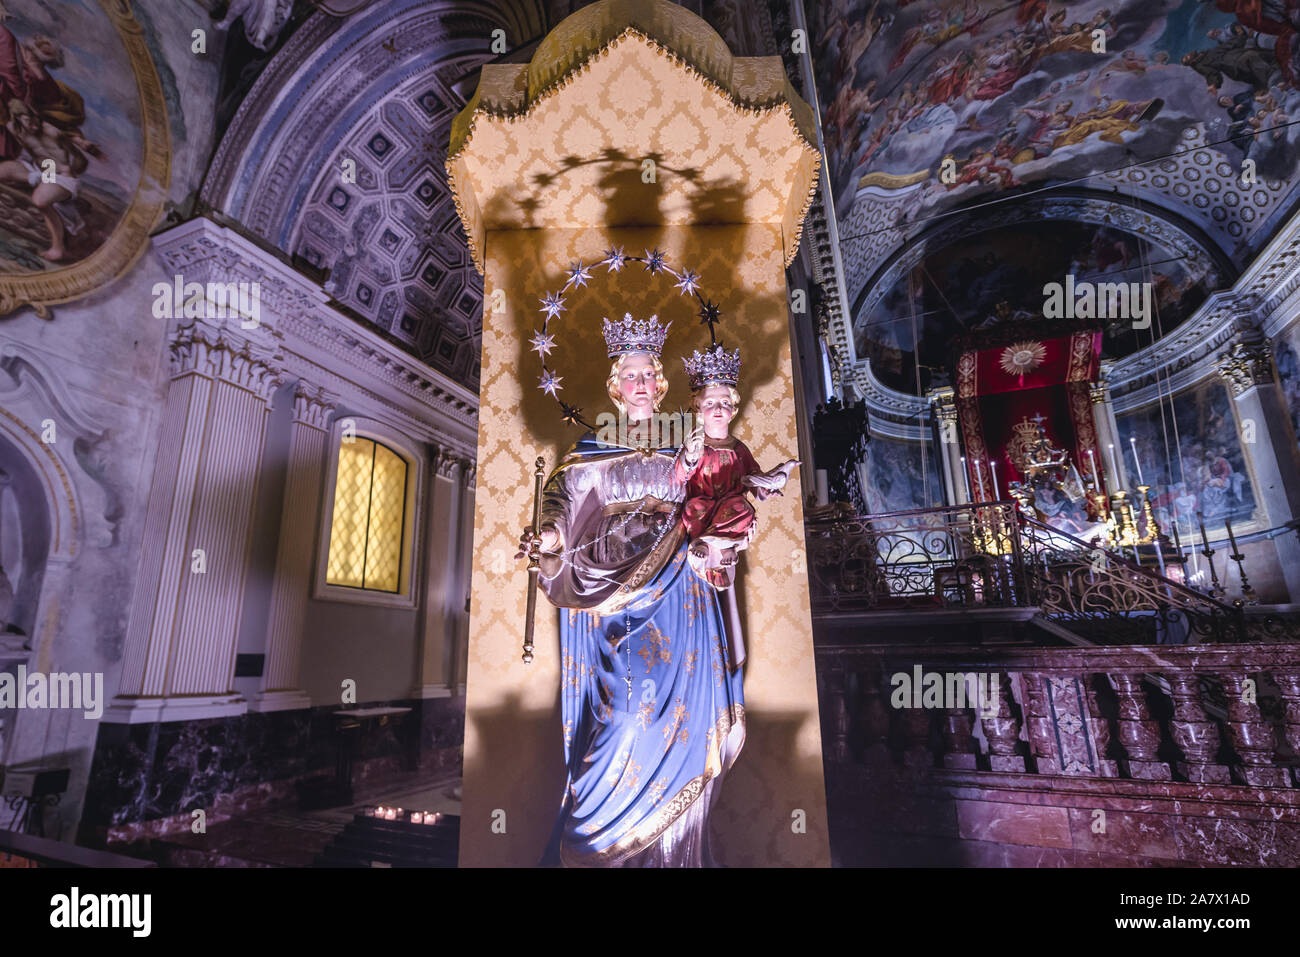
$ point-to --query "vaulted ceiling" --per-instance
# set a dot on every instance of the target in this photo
(336, 156)
(1143, 141)
(376, 91)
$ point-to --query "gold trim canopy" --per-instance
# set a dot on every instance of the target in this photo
(563, 140)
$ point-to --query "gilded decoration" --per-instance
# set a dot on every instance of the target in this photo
(1246, 365)
(129, 237)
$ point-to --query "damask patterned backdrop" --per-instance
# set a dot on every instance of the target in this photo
(1209, 475)
(513, 736)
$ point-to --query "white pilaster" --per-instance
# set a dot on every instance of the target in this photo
(439, 621)
(183, 628)
(300, 510)
(1268, 441)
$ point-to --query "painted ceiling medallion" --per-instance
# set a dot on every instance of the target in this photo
(81, 239)
(1022, 358)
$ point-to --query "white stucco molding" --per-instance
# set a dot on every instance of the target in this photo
(302, 335)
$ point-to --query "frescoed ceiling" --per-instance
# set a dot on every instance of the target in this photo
(1127, 162)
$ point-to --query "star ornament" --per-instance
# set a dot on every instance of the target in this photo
(709, 314)
(572, 414)
(614, 259)
(579, 274)
(542, 343)
(654, 260)
(549, 382)
(552, 305)
(688, 282)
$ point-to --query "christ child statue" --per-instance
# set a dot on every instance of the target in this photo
(719, 470)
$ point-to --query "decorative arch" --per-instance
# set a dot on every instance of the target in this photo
(1085, 206)
(378, 93)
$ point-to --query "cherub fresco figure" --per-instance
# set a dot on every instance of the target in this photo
(42, 142)
(719, 470)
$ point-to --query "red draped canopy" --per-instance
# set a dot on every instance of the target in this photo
(1019, 386)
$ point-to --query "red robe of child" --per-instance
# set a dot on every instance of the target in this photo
(715, 498)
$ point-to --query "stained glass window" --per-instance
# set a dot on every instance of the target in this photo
(369, 518)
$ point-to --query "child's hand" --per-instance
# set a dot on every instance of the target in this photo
(693, 447)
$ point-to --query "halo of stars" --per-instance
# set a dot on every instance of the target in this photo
(578, 275)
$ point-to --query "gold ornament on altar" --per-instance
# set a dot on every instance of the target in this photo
(1031, 451)
(1021, 358)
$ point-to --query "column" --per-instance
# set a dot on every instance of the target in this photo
(441, 610)
(1268, 441)
(1002, 732)
(943, 402)
(300, 518)
(1103, 417)
(1139, 733)
(183, 627)
(464, 571)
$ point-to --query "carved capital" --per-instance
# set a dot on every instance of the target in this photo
(469, 469)
(213, 352)
(1247, 364)
(944, 403)
(312, 406)
(445, 462)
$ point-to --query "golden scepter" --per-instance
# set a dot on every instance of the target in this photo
(534, 559)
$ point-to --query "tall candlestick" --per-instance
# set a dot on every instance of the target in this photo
(979, 479)
(1216, 590)
(965, 478)
(993, 470)
(1114, 463)
(1096, 482)
(1247, 593)
(1133, 442)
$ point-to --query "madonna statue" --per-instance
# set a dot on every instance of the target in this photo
(652, 698)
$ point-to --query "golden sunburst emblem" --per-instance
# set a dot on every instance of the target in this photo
(1022, 358)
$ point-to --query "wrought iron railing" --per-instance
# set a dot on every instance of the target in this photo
(991, 556)
(1110, 599)
(952, 557)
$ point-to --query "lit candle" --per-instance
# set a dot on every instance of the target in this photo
(1133, 442)
(432, 818)
(965, 477)
(979, 479)
(1114, 463)
(1096, 482)
(417, 817)
(390, 815)
(993, 470)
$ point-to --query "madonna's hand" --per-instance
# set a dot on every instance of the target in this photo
(549, 541)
